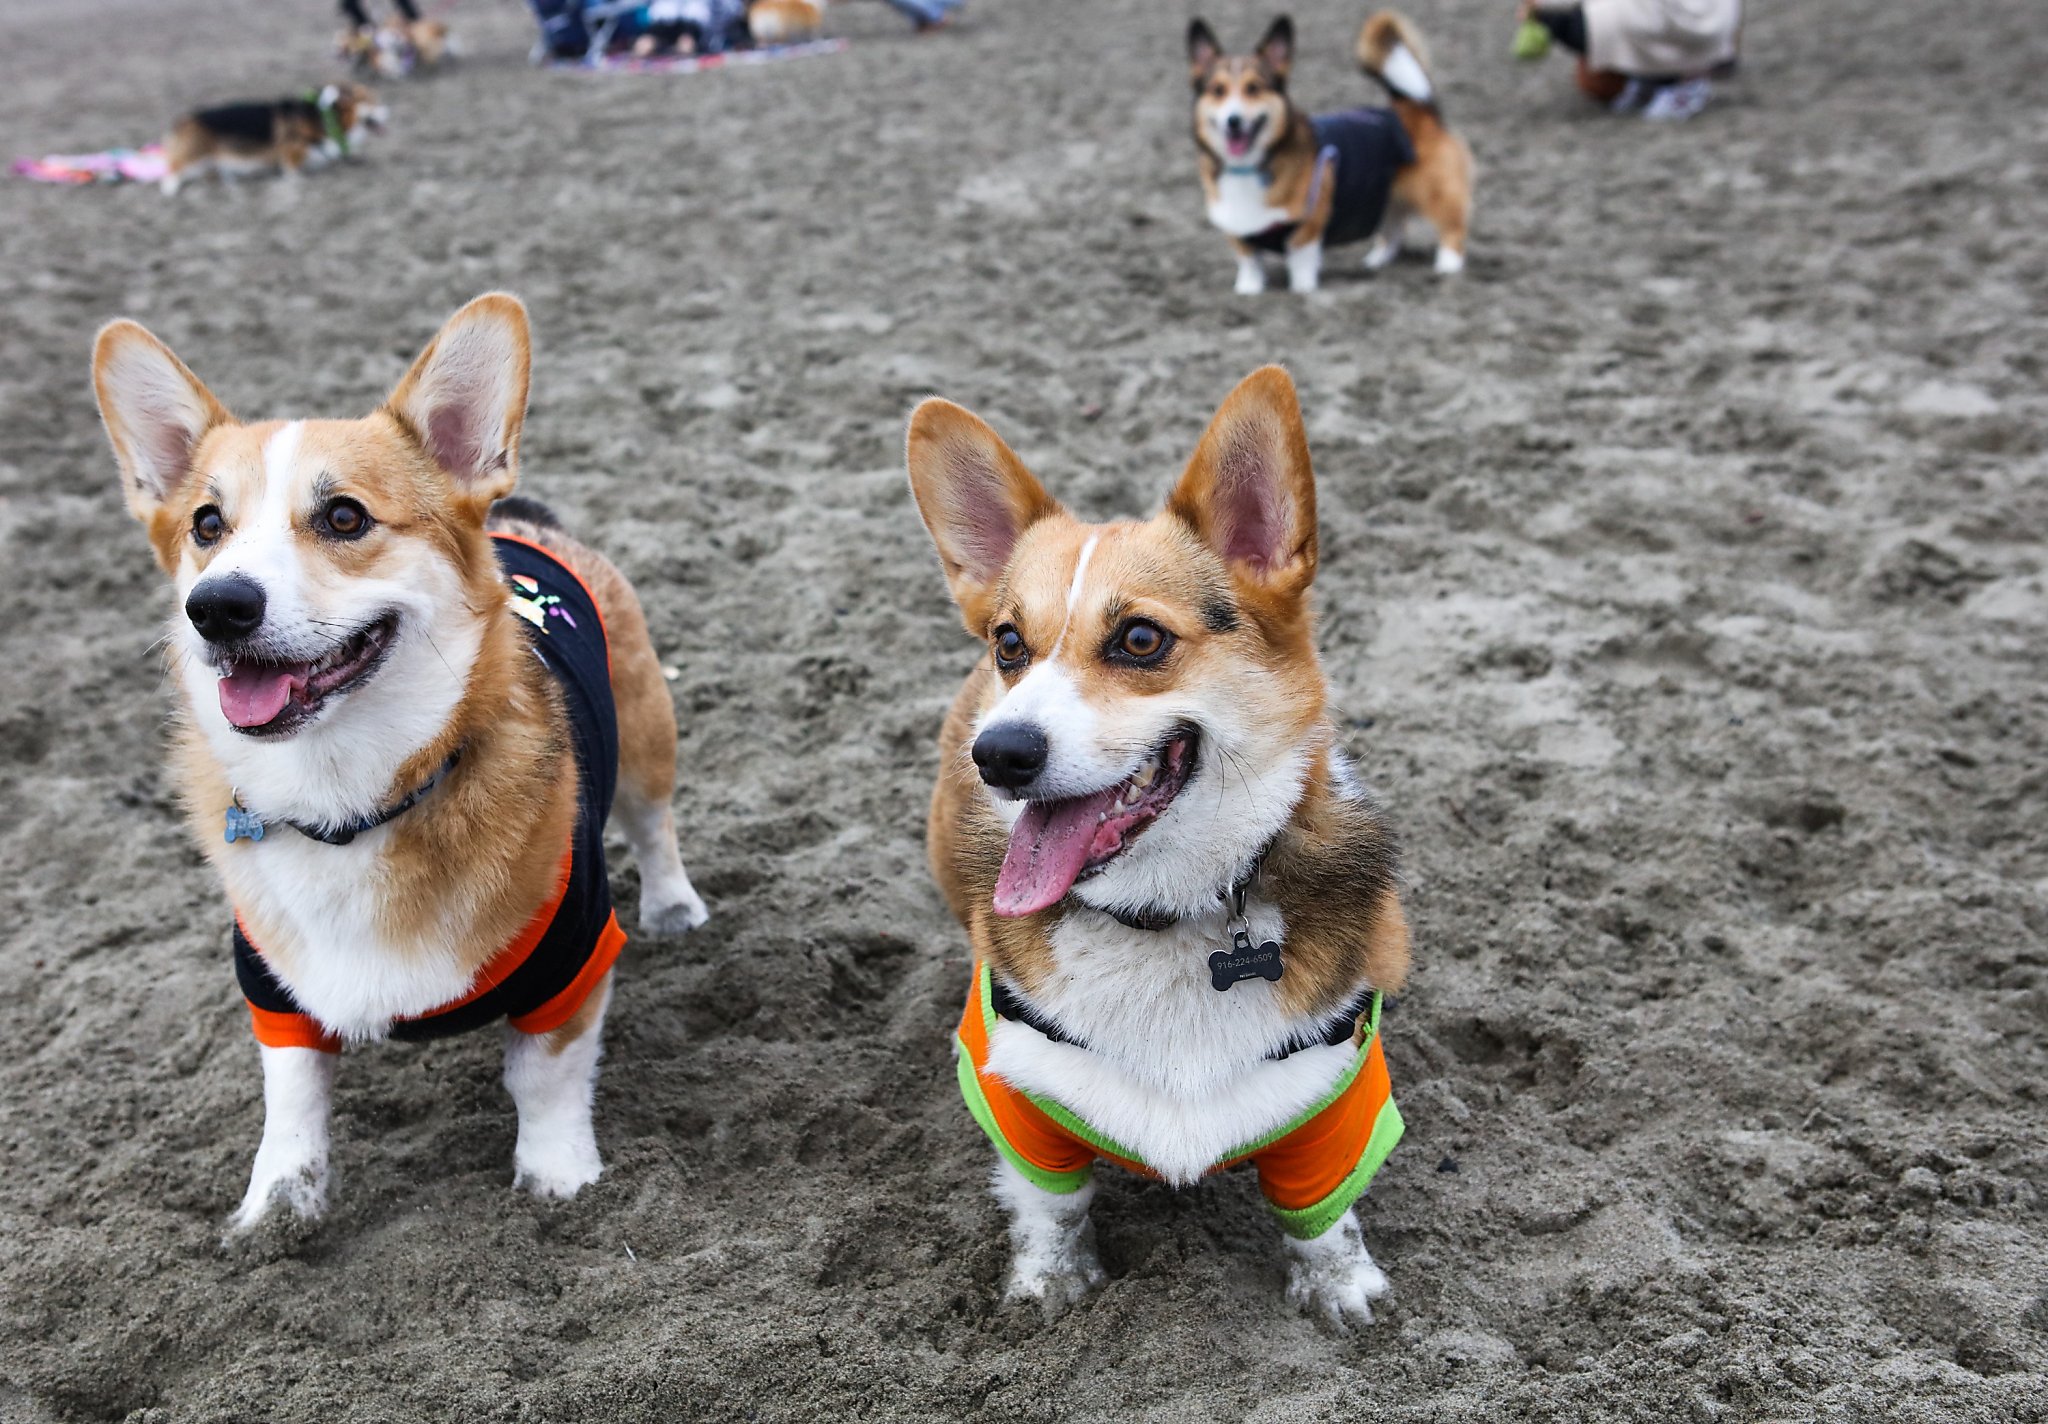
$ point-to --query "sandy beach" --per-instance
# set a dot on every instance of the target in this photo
(1683, 596)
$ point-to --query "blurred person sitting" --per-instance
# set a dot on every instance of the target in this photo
(1654, 57)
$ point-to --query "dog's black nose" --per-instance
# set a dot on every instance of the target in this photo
(1010, 755)
(226, 608)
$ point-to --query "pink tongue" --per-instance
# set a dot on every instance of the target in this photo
(1048, 850)
(252, 695)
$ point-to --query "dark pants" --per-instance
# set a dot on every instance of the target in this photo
(355, 14)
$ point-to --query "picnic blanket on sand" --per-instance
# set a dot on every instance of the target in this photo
(114, 165)
(696, 63)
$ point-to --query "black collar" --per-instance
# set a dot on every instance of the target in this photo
(1009, 1004)
(1155, 919)
(247, 825)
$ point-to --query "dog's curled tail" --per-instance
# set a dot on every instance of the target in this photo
(521, 509)
(1390, 49)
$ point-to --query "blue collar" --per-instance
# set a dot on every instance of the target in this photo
(1244, 168)
(247, 825)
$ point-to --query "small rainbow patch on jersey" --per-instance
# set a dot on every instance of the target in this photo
(537, 607)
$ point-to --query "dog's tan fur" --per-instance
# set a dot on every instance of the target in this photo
(784, 21)
(1244, 634)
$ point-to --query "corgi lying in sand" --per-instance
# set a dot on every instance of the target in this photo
(403, 713)
(1181, 901)
(271, 136)
(1276, 180)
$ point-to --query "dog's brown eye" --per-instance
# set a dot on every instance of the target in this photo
(1010, 648)
(345, 519)
(208, 526)
(1141, 641)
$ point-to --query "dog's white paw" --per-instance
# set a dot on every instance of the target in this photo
(1382, 253)
(556, 1170)
(556, 1164)
(1334, 1276)
(669, 916)
(297, 1188)
(1055, 1280)
(1449, 262)
(1251, 277)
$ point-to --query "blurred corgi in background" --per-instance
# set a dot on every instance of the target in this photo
(1182, 902)
(406, 702)
(773, 22)
(398, 47)
(1276, 180)
(275, 136)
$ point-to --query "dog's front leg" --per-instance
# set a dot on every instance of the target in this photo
(1305, 267)
(552, 1078)
(291, 1162)
(1251, 272)
(1334, 1276)
(1052, 1244)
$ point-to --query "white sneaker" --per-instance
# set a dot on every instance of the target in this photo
(1630, 98)
(1679, 101)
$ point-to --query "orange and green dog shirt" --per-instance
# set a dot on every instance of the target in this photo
(1311, 1168)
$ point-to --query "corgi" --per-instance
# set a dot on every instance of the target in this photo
(1276, 180)
(405, 702)
(1182, 902)
(397, 47)
(283, 135)
(776, 22)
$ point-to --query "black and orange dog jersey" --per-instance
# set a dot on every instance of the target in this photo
(1361, 151)
(542, 977)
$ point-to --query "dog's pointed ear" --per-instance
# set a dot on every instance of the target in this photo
(1277, 48)
(976, 498)
(464, 399)
(1250, 491)
(156, 412)
(1204, 49)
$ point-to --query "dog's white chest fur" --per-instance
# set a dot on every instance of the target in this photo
(1241, 208)
(340, 967)
(1174, 1070)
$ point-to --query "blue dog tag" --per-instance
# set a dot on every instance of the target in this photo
(243, 826)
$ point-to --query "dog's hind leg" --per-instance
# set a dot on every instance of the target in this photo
(1386, 245)
(553, 1078)
(291, 1164)
(669, 904)
(1052, 1244)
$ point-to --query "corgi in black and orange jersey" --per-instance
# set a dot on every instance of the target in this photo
(407, 702)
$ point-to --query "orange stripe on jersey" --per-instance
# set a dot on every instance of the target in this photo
(560, 1009)
(276, 1030)
(1309, 1163)
(499, 967)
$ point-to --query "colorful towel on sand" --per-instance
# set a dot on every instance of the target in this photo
(698, 63)
(116, 165)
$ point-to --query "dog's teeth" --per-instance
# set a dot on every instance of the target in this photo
(1145, 774)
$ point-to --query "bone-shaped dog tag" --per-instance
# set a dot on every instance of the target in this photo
(243, 826)
(1241, 961)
